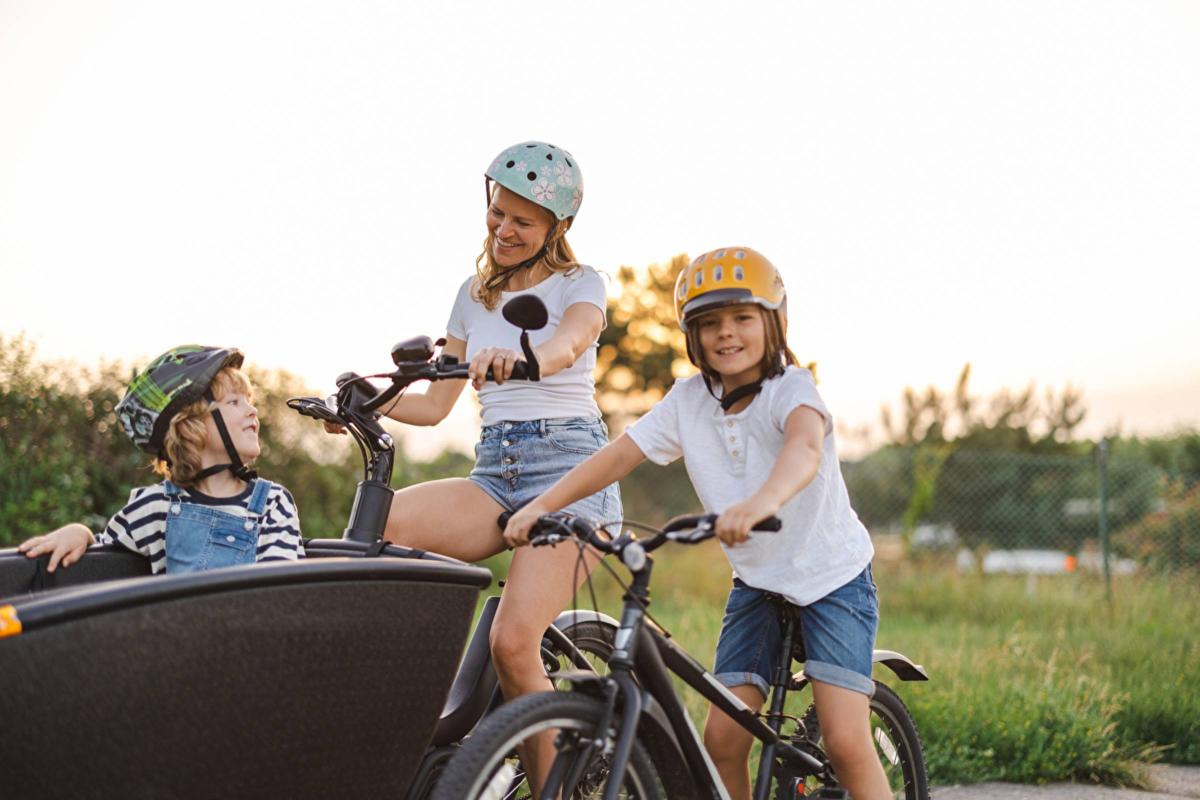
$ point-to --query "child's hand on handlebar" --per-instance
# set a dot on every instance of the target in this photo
(498, 359)
(521, 523)
(735, 522)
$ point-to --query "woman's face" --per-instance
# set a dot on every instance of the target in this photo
(519, 227)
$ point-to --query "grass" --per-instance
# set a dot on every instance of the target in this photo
(1030, 681)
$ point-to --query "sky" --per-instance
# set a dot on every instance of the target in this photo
(1015, 185)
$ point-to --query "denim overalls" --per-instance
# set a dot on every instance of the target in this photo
(200, 537)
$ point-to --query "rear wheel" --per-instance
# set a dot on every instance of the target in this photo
(488, 765)
(592, 638)
(897, 744)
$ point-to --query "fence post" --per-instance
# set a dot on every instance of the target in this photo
(1102, 466)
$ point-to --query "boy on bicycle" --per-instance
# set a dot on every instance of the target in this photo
(758, 441)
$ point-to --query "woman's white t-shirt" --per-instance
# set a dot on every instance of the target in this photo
(568, 393)
(822, 544)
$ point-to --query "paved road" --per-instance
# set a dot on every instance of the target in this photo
(1170, 783)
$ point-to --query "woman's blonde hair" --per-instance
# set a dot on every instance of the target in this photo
(776, 353)
(187, 435)
(491, 278)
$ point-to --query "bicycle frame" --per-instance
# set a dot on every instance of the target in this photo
(639, 681)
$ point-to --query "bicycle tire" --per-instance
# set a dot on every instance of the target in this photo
(897, 742)
(590, 637)
(487, 765)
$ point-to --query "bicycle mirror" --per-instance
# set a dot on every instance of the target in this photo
(527, 312)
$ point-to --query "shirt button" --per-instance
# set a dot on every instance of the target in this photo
(229, 539)
(506, 443)
(728, 423)
(732, 438)
(737, 453)
(175, 509)
(249, 525)
(508, 461)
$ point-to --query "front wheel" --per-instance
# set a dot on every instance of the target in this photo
(897, 744)
(488, 765)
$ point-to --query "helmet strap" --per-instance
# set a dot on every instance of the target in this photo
(746, 390)
(235, 466)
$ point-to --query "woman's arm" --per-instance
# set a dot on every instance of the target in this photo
(611, 463)
(795, 467)
(580, 326)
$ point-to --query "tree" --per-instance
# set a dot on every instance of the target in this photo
(999, 470)
(642, 351)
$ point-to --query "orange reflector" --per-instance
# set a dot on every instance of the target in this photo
(9, 624)
(1071, 564)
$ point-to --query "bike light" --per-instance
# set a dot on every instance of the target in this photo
(10, 625)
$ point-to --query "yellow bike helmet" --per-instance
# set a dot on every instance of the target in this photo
(731, 276)
(726, 277)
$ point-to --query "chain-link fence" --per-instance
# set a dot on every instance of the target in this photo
(1012, 512)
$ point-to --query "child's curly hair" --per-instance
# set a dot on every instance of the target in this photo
(187, 435)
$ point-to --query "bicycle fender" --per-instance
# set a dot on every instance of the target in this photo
(568, 618)
(900, 664)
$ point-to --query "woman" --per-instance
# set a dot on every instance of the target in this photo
(533, 433)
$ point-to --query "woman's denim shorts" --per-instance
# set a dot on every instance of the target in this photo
(839, 637)
(517, 461)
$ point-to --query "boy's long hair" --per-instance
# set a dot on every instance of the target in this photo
(187, 435)
(776, 354)
(491, 278)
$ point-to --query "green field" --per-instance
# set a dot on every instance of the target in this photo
(1031, 680)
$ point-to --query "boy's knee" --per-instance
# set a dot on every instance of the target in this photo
(847, 743)
(725, 740)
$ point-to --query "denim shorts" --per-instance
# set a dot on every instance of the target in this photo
(839, 637)
(517, 461)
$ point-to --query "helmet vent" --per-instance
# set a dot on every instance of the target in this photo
(531, 175)
(720, 254)
(739, 255)
(549, 156)
(569, 164)
(531, 145)
(510, 164)
(718, 273)
(699, 278)
(738, 273)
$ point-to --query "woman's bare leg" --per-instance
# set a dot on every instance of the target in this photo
(540, 584)
(453, 517)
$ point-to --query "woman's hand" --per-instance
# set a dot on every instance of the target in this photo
(498, 359)
(65, 545)
(735, 522)
(333, 427)
(520, 523)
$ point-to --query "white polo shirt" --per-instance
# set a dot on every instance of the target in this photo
(822, 545)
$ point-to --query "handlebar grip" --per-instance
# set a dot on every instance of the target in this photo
(503, 519)
(772, 524)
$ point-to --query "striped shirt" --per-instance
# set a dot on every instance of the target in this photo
(141, 525)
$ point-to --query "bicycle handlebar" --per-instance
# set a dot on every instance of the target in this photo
(691, 529)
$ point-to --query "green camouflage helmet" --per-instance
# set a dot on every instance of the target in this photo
(543, 173)
(174, 380)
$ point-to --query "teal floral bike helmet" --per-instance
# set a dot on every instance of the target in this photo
(172, 382)
(543, 173)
